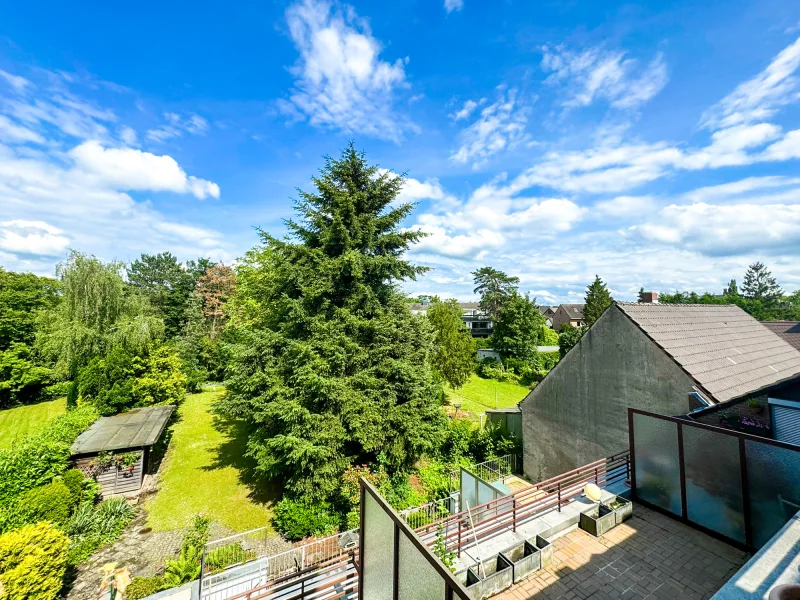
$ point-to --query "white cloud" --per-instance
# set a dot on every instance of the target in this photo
(451, 5)
(17, 82)
(786, 148)
(626, 206)
(499, 127)
(726, 191)
(719, 230)
(466, 110)
(32, 237)
(340, 81)
(128, 136)
(131, 169)
(14, 132)
(759, 98)
(176, 126)
(596, 73)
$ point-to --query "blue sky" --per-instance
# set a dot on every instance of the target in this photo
(653, 143)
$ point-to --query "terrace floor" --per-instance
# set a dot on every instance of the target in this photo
(648, 556)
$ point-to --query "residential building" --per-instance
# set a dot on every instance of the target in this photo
(787, 330)
(668, 359)
(568, 313)
(477, 321)
(548, 312)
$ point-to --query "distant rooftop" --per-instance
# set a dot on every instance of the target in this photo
(786, 330)
(726, 351)
(137, 428)
(575, 311)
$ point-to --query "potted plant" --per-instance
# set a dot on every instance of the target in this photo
(598, 520)
(495, 574)
(755, 406)
(525, 558)
(622, 509)
(101, 463)
(127, 462)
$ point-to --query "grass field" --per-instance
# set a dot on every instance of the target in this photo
(22, 420)
(478, 395)
(205, 471)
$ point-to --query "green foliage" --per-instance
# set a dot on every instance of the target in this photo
(597, 300)
(489, 368)
(548, 337)
(56, 390)
(434, 475)
(95, 316)
(548, 360)
(495, 288)
(33, 561)
(299, 519)
(38, 458)
(328, 365)
(185, 568)
(51, 502)
(21, 378)
(92, 527)
(448, 557)
(568, 337)
(167, 285)
(456, 445)
(228, 555)
(759, 284)
(198, 533)
(518, 328)
(142, 587)
(22, 297)
(118, 381)
(454, 349)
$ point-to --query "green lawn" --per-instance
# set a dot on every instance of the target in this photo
(22, 420)
(205, 471)
(479, 394)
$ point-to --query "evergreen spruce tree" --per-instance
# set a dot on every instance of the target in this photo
(759, 284)
(330, 367)
(597, 300)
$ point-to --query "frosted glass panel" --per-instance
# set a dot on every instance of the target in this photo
(774, 483)
(469, 490)
(378, 551)
(657, 471)
(713, 481)
(418, 579)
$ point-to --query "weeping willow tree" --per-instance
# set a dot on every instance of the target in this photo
(97, 314)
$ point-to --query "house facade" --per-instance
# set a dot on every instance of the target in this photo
(567, 313)
(480, 324)
(666, 359)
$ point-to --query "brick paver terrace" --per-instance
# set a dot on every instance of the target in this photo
(648, 556)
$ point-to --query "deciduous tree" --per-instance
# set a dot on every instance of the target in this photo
(454, 349)
(518, 327)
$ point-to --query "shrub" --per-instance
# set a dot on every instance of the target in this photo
(51, 502)
(57, 390)
(21, 379)
(113, 515)
(198, 533)
(297, 520)
(142, 587)
(33, 561)
(161, 381)
(226, 556)
(92, 527)
(548, 360)
(38, 458)
(74, 480)
(185, 568)
(456, 442)
(549, 337)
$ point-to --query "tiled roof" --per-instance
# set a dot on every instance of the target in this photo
(725, 350)
(575, 311)
(786, 330)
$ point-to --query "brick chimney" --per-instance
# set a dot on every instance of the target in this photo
(650, 297)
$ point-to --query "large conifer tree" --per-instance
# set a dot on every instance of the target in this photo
(330, 367)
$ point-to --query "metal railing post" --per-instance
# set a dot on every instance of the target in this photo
(596, 478)
(514, 516)
(459, 538)
(559, 496)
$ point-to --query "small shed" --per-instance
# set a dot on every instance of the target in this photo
(116, 450)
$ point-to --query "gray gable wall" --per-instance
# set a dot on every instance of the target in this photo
(578, 413)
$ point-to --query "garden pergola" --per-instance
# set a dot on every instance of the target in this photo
(116, 450)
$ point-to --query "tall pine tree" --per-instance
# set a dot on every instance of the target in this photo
(759, 284)
(597, 300)
(330, 367)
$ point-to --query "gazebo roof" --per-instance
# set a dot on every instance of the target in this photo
(134, 429)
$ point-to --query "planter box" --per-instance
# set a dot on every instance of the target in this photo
(598, 520)
(525, 559)
(496, 575)
(545, 550)
(622, 512)
(470, 581)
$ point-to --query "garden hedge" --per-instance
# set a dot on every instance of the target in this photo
(33, 561)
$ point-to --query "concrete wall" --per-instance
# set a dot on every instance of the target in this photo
(578, 413)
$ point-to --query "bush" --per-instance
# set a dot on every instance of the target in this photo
(74, 480)
(142, 587)
(94, 526)
(228, 555)
(161, 381)
(549, 337)
(33, 561)
(185, 568)
(56, 390)
(113, 515)
(197, 536)
(456, 442)
(21, 378)
(51, 502)
(38, 458)
(297, 520)
(548, 360)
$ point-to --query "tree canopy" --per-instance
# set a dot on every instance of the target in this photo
(597, 300)
(495, 288)
(454, 348)
(165, 282)
(518, 328)
(329, 367)
(759, 284)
